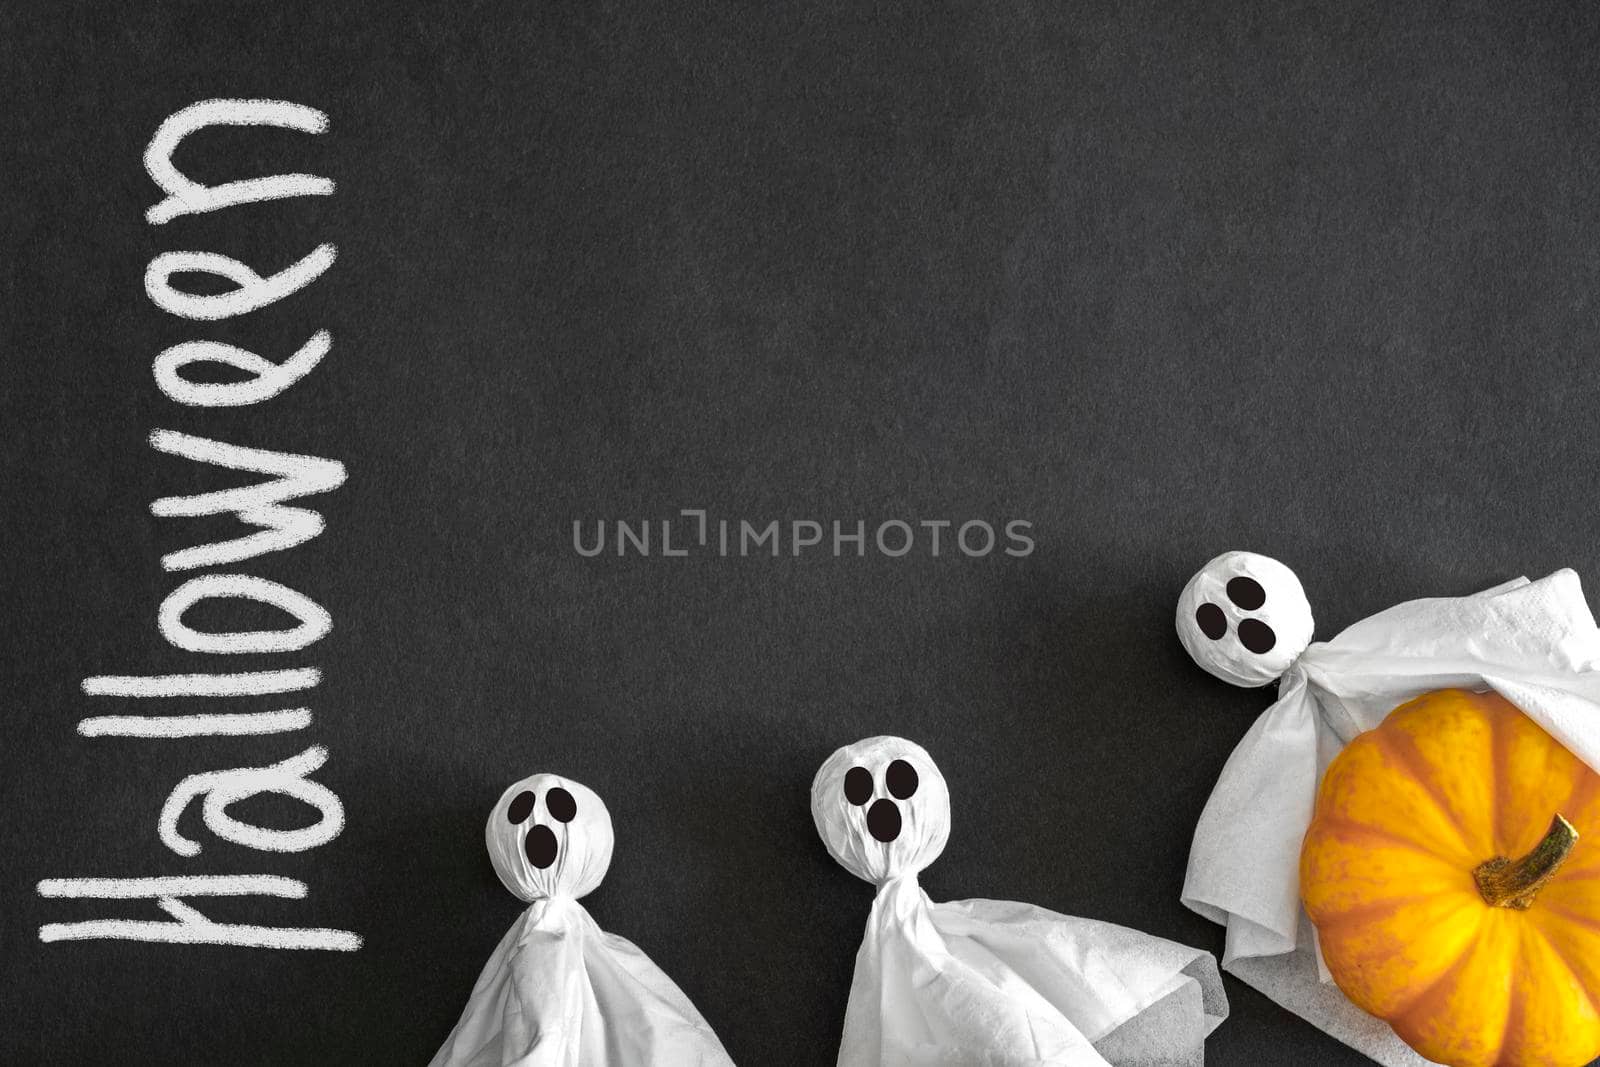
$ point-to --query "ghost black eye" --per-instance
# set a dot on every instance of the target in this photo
(1247, 593)
(520, 808)
(901, 778)
(561, 805)
(1213, 623)
(858, 785)
(1257, 636)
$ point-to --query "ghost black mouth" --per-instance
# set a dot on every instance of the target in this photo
(883, 820)
(541, 846)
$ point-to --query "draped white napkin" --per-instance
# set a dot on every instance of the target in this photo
(559, 991)
(1535, 643)
(985, 983)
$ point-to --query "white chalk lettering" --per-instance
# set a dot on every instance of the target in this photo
(260, 505)
(185, 196)
(242, 684)
(314, 622)
(239, 724)
(222, 788)
(251, 291)
(191, 927)
(272, 520)
(267, 379)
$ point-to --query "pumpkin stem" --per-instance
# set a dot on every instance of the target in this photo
(1514, 883)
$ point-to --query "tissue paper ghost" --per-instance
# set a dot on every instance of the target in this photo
(983, 981)
(558, 991)
(1245, 619)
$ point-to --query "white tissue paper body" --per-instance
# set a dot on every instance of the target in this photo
(1245, 619)
(559, 991)
(987, 983)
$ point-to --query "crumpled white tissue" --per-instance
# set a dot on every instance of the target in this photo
(1535, 643)
(986, 983)
(559, 991)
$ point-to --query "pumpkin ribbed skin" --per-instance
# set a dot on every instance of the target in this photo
(1404, 815)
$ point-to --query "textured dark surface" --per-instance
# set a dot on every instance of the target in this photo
(1316, 280)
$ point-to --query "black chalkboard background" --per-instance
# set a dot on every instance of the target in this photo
(1317, 280)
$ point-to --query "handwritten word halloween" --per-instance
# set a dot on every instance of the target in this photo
(277, 526)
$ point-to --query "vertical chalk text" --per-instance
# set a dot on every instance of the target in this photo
(276, 754)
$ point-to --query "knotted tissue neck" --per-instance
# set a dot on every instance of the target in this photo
(552, 899)
(1294, 671)
(553, 917)
(555, 885)
(898, 883)
(554, 911)
(900, 896)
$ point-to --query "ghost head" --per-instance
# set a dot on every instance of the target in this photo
(549, 837)
(1244, 618)
(882, 808)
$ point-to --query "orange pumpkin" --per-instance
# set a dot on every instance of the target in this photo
(1453, 873)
